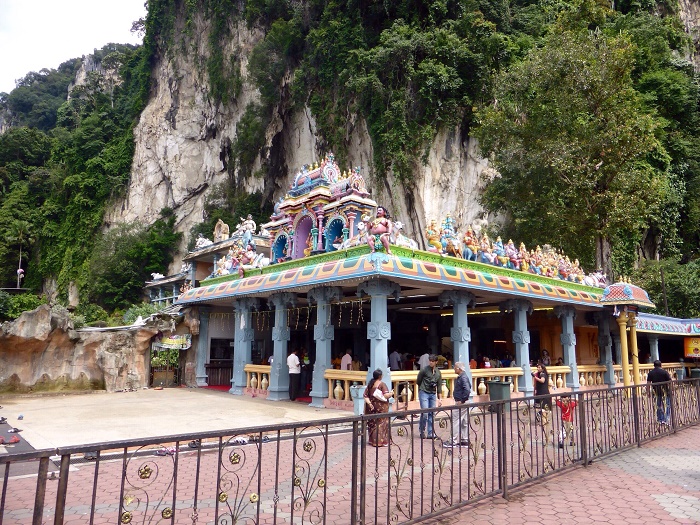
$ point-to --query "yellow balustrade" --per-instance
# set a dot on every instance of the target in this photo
(644, 369)
(557, 376)
(346, 377)
(259, 371)
(591, 375)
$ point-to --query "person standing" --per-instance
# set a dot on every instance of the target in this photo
(660, 381)
(541, 380)
(346, 361)
(294, 374)
(423, 361)
(460, 417)
(395, 360)
(429, 379)
(376, 397)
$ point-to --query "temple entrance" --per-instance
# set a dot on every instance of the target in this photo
(280, 248)
(165, 367)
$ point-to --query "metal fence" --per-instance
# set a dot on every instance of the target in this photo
(327, 472)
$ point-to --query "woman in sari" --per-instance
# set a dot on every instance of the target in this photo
(377, 402)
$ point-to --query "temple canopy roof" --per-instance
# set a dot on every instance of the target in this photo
(422, 277)
(628, 294)
(659, 324)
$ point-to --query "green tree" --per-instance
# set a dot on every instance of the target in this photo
(577, 155)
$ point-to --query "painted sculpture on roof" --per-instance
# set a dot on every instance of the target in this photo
(545, 260)
(327, 209)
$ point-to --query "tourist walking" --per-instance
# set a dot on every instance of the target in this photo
(395, 360)
(294, 374)
(660, 381)
(460, 418)
(429, 379)
(377, 396)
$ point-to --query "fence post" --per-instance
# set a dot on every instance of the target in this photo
(671, 395)
(502, 448)
(62, 489)
(353, 487)
(635, 415)
(363, 469)
(583, 436)
(40, 491)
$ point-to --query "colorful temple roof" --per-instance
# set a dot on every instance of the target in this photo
(628, 294)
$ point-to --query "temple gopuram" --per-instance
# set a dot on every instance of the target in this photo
(335, 275)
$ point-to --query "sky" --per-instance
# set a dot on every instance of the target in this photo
(38, 34)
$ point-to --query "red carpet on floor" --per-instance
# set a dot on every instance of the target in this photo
(224, 388)
(303, 400)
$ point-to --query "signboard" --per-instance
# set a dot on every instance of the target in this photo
(692, 347)
(177, 342)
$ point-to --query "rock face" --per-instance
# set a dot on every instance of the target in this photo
(40, 351)
(183, 140)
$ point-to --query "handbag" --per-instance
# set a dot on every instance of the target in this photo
(379, 395)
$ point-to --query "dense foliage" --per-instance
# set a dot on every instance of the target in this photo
(589, 113)
(57, 179)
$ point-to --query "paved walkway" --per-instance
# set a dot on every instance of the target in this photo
(657, 483)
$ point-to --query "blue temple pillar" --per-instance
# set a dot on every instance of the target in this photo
(653, 347)
(521, 339)
(568, 343)
(605, 346)
(324, 332)
(618, 348)
(244, 335)
(460, 334)
(378, 329)
(279, 373)
(202, 347)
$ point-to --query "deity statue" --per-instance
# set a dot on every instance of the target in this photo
(469, 245)
(221, 231)
(309, 245)
(433, 234)
(379, 229)
(500, 253)
(524, 257)
(486, 255)
(512, 254)
(247, 259)
(202, 242)
(248, 227)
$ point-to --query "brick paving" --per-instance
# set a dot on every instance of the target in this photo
(656, 484)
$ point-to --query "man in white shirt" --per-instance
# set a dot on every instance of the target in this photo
(424, 361)
(395, 360)
(346, 361)
(294, 374)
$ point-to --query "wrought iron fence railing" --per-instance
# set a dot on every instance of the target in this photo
(328, 472)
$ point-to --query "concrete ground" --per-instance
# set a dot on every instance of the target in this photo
(56, 420)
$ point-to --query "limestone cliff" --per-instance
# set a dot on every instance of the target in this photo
(40, 351)
(183, 140)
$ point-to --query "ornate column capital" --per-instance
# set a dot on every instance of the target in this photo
(604, 340)
(379, 287)
(457, 297)
(568, 339)
(246, 304)
(565, 311)
(653, 337)
(521, 336)
(282, 299)
(461, 334)
(281, 333)
(378, 331)
(324, 294)
(516, 305)
(324, 332)
(247, 335)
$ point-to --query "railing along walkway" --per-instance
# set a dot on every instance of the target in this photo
(326, 472)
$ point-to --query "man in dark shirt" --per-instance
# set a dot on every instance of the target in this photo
(429, 381)
(460, 417)
(659, 379)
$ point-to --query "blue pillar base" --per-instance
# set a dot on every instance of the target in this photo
(278, 394)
